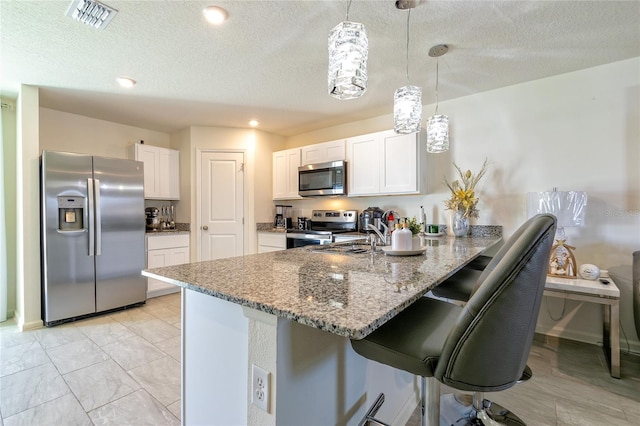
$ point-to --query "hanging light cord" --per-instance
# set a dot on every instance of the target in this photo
(437, 72)
(348, 6)
(408, 16)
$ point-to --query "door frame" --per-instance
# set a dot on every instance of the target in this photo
(198, 203)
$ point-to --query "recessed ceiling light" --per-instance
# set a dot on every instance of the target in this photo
(126, 82)
(91, 12)
(254, 123)
(215, 15)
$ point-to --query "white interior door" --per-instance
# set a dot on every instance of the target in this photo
(221, 205)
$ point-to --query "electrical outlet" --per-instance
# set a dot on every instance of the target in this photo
(260, 384)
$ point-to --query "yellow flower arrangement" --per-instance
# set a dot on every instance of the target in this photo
(463, 196)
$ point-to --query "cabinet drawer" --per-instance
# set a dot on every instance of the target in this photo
(157, 242)
(272, 240)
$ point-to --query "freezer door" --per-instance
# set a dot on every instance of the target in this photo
(120, 228)
(68, 288)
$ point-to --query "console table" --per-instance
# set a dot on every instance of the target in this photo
(608, 295)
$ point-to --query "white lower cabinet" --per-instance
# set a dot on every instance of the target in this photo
(269, 241)
(165, 250)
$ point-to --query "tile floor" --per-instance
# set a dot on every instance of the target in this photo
(571, 385)
(117, 369)
(124, 369)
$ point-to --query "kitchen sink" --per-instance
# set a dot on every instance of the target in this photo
(343, 248)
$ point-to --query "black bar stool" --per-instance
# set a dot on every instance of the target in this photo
(482, 346)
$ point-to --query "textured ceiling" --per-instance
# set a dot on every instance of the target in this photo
(269, 60)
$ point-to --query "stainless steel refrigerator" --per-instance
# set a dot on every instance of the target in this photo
(92, 228)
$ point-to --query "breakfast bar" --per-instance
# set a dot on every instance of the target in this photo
(265, 338)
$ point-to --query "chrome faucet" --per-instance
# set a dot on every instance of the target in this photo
(385, 239)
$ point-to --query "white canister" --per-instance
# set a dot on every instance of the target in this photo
(589, 271)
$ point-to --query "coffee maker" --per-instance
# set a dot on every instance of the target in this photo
(283, 217)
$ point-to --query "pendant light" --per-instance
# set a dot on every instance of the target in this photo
(348, 53)
(438, 124)
(407, 101)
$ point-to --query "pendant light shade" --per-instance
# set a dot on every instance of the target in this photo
(348, 54)
(437, 124)
(407, 109)
(407, 101)
(438, 133)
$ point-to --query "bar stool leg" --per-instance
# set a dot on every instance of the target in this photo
(369, 417)
(430, 401)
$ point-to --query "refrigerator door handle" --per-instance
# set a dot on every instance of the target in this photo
(90, 214)
(96, 182)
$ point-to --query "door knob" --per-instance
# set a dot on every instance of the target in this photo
(205, 228)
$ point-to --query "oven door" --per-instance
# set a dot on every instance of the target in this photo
(349, 238)
(295, 240)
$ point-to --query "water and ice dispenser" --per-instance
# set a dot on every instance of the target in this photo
(70, 213)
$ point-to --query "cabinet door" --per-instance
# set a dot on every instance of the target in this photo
(398, 172)
(169, 174)
(179, 256)
(165, 257)
(268, 241)
(293, 160)
(280, 175)
(363, 165)
(335, 150)
(158, 258)
(150, 156)
(285, 174)
(312, 154)
(323, 152)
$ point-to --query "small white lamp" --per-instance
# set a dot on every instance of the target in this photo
(569, 208)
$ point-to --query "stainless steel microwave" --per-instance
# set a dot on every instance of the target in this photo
(322, 179)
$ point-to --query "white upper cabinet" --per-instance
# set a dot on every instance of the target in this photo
(363, 160)
(385, 163)
(169, 174)
(323, 152)
(285, 174)
(161, 171)
(399, 168)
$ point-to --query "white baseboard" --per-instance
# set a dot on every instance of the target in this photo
(31, 325)
(408, 407)
(163, 291)
(592, 338)
(10, 314)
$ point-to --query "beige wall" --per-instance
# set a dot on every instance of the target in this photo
(66, 132)
(182, 142)
(576, 131)
(46, 129)
(9, 182)
(257, 146)
(27, 210)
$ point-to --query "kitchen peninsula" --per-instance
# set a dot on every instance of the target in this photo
(292, 313)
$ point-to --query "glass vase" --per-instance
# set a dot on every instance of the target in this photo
(458, 225)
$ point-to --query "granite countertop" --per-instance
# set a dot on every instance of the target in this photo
(167, 232)
(268, 227)
(180, 229)
(346, 294)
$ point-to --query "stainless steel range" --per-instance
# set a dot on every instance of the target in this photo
(327, 226)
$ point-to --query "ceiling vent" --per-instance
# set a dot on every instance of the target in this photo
(91, 13)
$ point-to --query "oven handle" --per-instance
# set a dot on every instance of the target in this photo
(310, 237)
